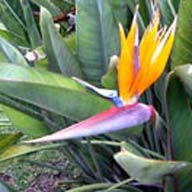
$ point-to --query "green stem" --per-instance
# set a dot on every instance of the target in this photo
(119, 184)
(111, 143)
(92, 153)
(91, 187)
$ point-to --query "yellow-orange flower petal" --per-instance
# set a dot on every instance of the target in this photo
(126, 63)
(154, 50)
(160, 57)
(148, 44)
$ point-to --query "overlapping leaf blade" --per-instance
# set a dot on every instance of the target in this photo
(8, 139)
(8, 53)
(180, 128)
(184, 72)
(33, 33)
(149, 171)
(12, 20)
(183, 43)
(97, 37)
(49, 5)
(60, 56)
(49, 91)
(25, 123)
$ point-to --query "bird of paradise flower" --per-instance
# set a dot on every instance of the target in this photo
(140, 65)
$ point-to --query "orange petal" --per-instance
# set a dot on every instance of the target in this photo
(148, 44)
(125, 67)
(160, 57)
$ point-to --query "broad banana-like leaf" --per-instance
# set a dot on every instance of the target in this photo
(97, 37)
(148, 171)
(110, 120)
(182, 53)
(33, 33)
(60, 56)
(50, 91)
(11, 17)
(25, 123)
(180, 114)
(8, 53)
(184, 72)
(121, 12)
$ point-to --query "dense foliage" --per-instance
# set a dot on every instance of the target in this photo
(44, 43)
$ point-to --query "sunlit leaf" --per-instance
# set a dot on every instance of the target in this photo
(145, 170)
(50, 91)
(25, 123)
(8, 139)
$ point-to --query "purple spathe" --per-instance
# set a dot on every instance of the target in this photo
(113, 119)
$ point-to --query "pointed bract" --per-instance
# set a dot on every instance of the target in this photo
(111, 120)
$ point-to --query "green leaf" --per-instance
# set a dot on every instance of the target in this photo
(109, 79)
(8, 53)
(10, 18)
(50, 91)
(71, 42)
(32, 29)
(180, 128)
(11, 36)
(60, 56)
(102, 186)
(120, 11)
(8, 139)
(97, 37)
(167, 11)
(132, 7)
(149, 171)
(182, 53)
(20, 150)
(176, 3)
(49, 5)
(25, 123)
(184, 72)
